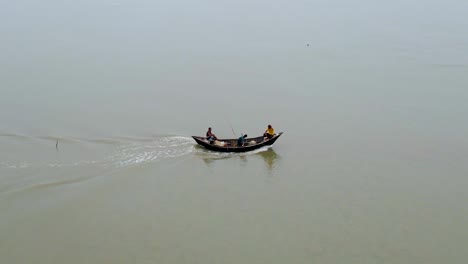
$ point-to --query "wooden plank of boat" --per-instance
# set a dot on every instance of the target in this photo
(230, 145)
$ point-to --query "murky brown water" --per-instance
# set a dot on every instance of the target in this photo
(371, 168)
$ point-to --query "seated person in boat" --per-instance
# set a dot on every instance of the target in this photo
(269, 132)
(241, 140)
(210, 136)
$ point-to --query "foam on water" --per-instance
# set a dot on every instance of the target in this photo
(159, 149)
(125, 152)
(20, 165)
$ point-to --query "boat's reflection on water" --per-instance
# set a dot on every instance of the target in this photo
(269, 156)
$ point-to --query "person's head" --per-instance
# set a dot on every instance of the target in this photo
(245, 135)
(209, 129)
(269, 126)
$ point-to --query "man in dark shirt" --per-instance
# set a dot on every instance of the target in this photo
(210, 136)
(241, 140)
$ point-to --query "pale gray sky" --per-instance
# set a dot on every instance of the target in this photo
(104, 58)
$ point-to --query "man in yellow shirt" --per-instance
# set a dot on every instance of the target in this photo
(269, 132)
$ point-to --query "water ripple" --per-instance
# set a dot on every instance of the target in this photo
(160, 149)
(126, 153)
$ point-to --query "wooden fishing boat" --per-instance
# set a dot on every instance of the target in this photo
(230, 145)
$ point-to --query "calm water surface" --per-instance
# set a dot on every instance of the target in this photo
(371, 167)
